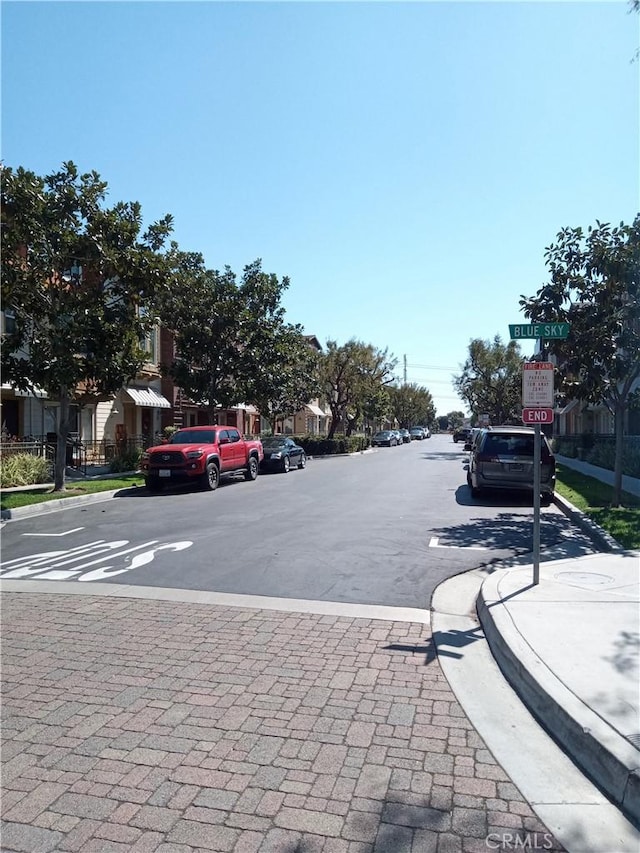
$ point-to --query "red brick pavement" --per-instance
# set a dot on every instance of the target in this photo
(136, 725)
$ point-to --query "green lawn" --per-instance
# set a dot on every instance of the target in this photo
(594, 499)
(590, 496)
(14, 500)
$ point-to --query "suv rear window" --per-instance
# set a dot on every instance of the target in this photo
(505, 444)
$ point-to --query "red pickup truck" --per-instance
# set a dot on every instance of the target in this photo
(201, 454)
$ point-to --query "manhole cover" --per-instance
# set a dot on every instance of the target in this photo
(584, 578)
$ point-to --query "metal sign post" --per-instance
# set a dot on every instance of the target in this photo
(537, 408)
(537, 401)
(536, 505)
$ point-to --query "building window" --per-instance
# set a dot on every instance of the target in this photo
(9, 321)
(149, 344)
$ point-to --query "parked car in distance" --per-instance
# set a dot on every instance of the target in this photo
(462, 434)
(405, 436)
(474, 438)
(416, 433)
(281, 454)
(426, 431)
(201, 455)
(502, 458)
(384, 437)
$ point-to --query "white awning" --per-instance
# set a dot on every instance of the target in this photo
(36, 392)
(246, 407)
(315, 410)
(148, 397)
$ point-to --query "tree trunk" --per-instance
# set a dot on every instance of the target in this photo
(334, 424)
(61, 445)
(617, 467)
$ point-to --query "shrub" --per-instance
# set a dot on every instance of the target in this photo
(564, 447)
(167, 432)
(24, 469)
(129, 460)
(319, 445)
(602, 452)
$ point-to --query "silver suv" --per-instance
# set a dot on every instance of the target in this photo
(502, 458)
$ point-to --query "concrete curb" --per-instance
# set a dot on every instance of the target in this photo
(605, 756)
(54, 506)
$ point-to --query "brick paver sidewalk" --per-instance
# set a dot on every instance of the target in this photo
(136, 725)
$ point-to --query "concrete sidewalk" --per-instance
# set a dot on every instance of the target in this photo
(570, 648)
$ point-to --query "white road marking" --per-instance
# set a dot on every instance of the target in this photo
(434, 543)
(66, 565)
(66, 533)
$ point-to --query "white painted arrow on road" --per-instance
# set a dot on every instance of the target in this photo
(66, 533)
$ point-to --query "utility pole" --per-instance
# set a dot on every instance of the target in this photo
(404, 373)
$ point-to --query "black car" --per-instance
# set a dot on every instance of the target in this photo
(282, 454)
(385, 436)
(462, 434)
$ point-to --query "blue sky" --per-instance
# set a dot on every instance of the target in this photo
(404, 163)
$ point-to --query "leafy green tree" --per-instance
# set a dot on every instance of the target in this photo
(453, 420)
(351, 375)
(76, 274)
(595, 286)
(222, 329)
(376, 405)
(491, 380)
(412, 405)
(283, 374)
(203, 316)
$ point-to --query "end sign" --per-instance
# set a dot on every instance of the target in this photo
(537, 416)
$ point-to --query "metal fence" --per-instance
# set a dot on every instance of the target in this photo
(80, 455)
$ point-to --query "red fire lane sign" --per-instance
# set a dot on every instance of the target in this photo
(537, 416)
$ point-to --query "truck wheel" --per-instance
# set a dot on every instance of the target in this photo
(252, 469)
(211, 477)
(153, 484)
(303, 461)
(286, 464)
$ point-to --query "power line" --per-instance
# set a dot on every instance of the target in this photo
(431, 367)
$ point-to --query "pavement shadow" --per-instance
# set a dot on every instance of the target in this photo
(509, 530)
(444, 456)
(173, 490)
(442, 643)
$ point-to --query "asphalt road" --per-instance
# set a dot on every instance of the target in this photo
(383, 527)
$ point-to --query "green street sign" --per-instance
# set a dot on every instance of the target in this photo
(552, 331)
